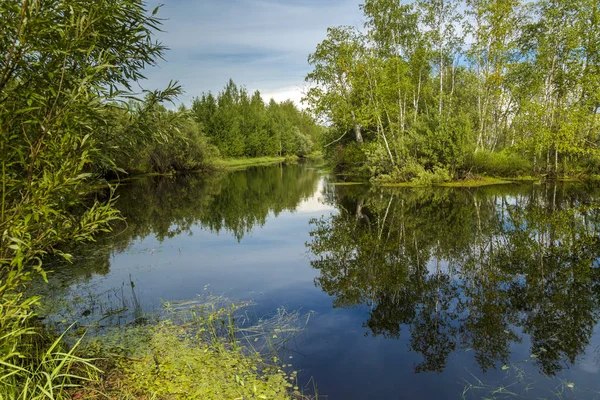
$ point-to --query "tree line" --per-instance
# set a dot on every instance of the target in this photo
(144, 135)
(242, 125)
(447, 87)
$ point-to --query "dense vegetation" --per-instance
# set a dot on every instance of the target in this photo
(60, 68)
(407, 99)
(68, 119)
(436, 89)
(241, 125)
(145, 136)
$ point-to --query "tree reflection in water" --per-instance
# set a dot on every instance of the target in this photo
(467, 268)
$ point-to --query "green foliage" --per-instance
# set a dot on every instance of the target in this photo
(240, 125)
(196, 353)
(186, 148)
(412, 170)
(433, 177)
(416, 174)
(505, 164)
(187, 368)
(529, 85)
(350, 160)
(46, 371)
(63, 68)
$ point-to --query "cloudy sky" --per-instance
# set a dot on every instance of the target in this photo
(262, 44)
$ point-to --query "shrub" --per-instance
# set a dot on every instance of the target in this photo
(377, 159)
(416, 174)
(57, 93)
(502, 163)
(433, 177)
(350, 160)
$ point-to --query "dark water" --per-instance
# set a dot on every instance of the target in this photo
(418, 293)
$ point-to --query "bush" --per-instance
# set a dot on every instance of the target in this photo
(187, 149)
(498, 164)
(416, 174)
(304, 144)
(56, 113)
(434, 177)
(377, 159)
(588, 164)
(350, 160)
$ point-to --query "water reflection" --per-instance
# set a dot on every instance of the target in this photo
(163, 209)
(235, 202)
(464, 283)
(475, 269)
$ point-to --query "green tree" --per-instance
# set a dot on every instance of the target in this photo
(62, 67)
(333, 95)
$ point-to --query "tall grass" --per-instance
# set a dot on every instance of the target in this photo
(36, 368)
(499, 164)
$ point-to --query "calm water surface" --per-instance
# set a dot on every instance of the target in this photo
(418, 293)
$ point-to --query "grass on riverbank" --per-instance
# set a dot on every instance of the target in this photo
(464, 183)
(477, 182)
(238, 163)
(483, 181)
(199, 352)
(171, 363)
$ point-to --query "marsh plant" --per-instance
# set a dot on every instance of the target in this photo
(206, 348)
(65, 67)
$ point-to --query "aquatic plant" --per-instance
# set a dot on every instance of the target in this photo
(199, 351)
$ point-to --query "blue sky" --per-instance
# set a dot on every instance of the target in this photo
(262, 44)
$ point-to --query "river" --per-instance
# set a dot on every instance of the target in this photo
(422, 293)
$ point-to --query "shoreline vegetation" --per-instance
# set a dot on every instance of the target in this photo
(70, 123)
(436, 91)
(240, 163)
(201, 338)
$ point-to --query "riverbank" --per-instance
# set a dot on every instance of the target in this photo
(237, 163)
(466, 183)
(474, 181)
(245, 162)
(197, 353)
(489, 181)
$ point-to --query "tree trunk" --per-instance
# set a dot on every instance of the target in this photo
(358, 133)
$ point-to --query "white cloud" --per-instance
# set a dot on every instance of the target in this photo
(262, 44)
(294, 93)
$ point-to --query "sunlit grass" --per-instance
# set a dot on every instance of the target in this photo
(205, 348)
(235, 163)
(47, 371)
(481, 181)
